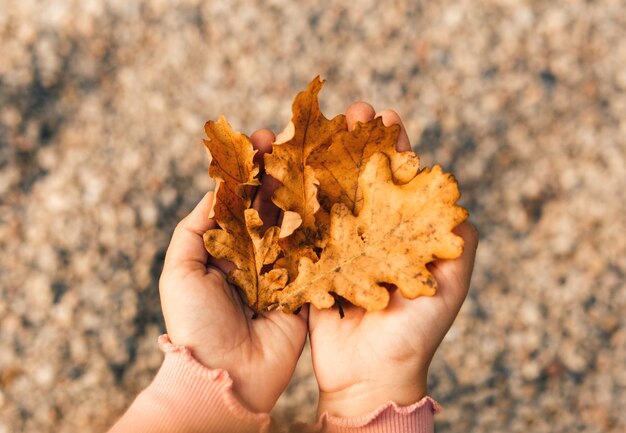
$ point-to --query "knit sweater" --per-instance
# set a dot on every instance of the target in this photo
(187, 396)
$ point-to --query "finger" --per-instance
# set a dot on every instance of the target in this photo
(359, 112)
(390, 117)
(453, 276)
(187, 246)
(268, 211)
(261, 146)
(262, 141)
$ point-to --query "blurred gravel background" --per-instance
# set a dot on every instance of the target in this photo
(102, 107)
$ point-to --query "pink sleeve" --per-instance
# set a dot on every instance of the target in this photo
(186, 396)
(389, 418)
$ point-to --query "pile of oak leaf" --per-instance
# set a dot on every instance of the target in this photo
(359, 216)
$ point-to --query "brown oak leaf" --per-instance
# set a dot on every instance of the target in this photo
(249, 252)
(297, 196)
(232, 156)
(338, 168)
(399, 230)
(240, 240)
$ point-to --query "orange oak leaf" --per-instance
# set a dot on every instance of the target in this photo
(249, 252)
(399, 230)
(297, 196)
(239, 240)
(338, 168)
(232, 156)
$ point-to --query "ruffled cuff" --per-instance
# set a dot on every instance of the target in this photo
(187, 396)
(416, 418)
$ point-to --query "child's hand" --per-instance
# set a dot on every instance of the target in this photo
(206, 314)
(367, 359)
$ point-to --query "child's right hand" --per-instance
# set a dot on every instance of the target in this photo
(206, 314)
(366, 360)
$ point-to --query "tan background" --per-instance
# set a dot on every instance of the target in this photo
(102, 105)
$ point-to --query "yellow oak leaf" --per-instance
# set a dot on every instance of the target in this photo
(308, 132)
(398, 231)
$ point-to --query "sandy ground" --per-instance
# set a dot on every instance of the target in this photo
(102, 107)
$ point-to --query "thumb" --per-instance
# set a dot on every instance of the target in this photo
(453, 276)
(187, 246)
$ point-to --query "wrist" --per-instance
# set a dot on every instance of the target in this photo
(186, 396)
(256, 396)
(365, 397)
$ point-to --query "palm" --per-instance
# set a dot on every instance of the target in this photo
(364, 359)
(213, 321)
(406, 332)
